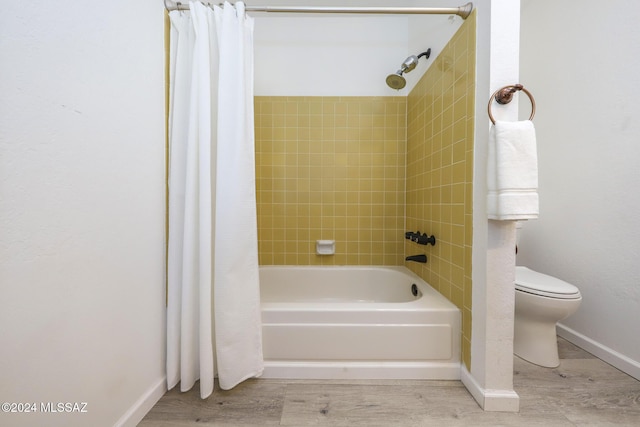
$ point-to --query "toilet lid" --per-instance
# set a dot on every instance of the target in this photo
(536, 283)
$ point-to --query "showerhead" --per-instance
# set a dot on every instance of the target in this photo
(396, 81)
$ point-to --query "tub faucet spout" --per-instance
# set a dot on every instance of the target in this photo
(417, 258)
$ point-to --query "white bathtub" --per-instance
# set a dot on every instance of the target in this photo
(356, 322)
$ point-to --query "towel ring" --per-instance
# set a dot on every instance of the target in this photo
(505, 95)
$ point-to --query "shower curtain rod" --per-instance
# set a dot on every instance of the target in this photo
(462, 11)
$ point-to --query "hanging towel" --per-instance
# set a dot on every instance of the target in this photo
(512, 171)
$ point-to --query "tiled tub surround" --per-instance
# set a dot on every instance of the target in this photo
(363, 170)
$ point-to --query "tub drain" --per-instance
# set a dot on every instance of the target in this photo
(414, 290)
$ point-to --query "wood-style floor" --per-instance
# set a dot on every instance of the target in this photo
(582, 391)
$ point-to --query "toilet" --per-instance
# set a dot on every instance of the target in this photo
(541, 301)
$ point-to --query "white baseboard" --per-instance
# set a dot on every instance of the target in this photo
(612, 357)
(488, 399)
(143, 405)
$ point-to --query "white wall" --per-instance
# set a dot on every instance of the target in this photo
(433, 32)
(584, 71)
(327, 55)
(344, 55)
(81, 208)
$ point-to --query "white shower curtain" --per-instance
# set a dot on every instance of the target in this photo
(213, 308)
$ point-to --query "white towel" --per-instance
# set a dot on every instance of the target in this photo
(512, 171)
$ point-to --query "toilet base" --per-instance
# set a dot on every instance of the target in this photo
(534, 334)
(536, 343)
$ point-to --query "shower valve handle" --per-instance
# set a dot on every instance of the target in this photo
(420, 238)
(424, 239)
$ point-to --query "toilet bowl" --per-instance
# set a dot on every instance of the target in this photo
(541, 301)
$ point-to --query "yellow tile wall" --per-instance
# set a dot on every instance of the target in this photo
(440, 117)
(330, 168)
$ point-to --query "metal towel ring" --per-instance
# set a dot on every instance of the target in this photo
(505, 95)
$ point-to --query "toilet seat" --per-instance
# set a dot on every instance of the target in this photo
(540, 284)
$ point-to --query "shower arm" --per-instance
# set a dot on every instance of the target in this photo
(427, 54)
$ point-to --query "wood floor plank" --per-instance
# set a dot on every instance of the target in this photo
(360, 405)
(572, 374)
(582, 391)
(352, 405)
(254, 402)
(567, 350)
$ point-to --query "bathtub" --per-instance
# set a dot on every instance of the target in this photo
(356, 323)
